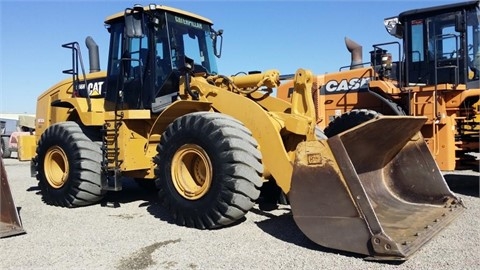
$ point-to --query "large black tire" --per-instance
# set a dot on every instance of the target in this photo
(208, 170)
(349, 120)
(5, 149)
(68, 166)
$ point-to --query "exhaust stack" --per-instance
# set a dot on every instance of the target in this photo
(356, 51)
(93, 56)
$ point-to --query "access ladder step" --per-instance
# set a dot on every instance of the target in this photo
(112, 180)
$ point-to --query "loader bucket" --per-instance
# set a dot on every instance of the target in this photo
(10, 224)
(374, 190)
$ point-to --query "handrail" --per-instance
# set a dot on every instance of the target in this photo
(76, 59)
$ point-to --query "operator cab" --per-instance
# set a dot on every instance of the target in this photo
(148, 47)
(441, 44)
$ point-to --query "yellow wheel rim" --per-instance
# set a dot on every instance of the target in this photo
(56, 167)
(191, 172)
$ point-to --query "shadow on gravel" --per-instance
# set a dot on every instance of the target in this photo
(159, 212)
(130, 192)
(464, 184)
(283, 227)
(34, 188)
(133, 191)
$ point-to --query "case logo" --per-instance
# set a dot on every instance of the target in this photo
(345, 85)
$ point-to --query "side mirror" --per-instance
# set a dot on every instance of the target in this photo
(187, 68)
(187, 64)
(217, 42)
(394, 27)
(134, 22)
(460, 23)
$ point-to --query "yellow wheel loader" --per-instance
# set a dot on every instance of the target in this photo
(437, 77)
(161, 112)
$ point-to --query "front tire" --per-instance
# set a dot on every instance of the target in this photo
(208, 170)
(68, 167)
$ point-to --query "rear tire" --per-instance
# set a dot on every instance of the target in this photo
(6, 153)
(68, 166)
(208, 170)
(349, 120)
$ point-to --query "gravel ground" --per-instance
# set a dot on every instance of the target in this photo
(139, 235)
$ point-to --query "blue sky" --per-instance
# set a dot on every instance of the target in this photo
(258, 35)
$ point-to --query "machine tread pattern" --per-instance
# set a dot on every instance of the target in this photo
(83, 186)
(236, 163)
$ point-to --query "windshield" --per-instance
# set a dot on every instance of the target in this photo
(446, 43)
(473, 41)
(192, 39)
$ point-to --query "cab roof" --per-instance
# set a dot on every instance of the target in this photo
(438, 9)
(119, 15)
